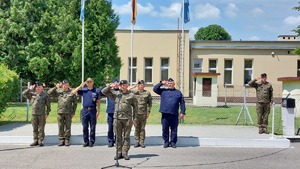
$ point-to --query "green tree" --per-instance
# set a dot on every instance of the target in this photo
(212, 32)
(51, 30)
(297, 30)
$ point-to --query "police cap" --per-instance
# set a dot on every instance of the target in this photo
(89, 79)
(263, 75)
(141, 82)
(170, 80)
(123, 82)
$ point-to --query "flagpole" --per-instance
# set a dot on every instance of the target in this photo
(131, 56)
(82, 52)
(182, 48)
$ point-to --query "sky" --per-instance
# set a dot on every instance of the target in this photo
(261, 20)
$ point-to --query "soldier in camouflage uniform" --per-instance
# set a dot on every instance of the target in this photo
(41, 107)
(144, 99)
(67, 104)
(124, 116)
(264, 99)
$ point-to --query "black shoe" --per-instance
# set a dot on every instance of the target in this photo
(143, 146)
(61, 143)
(110, 144)
(35, 143)
(126, 157)
(118, 157)
(91, 144)
(174, 146)
(166, 145)
(41, 144)
(67, 143)
(136, 145)
(85, 144)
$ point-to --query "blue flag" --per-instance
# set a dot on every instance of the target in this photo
(186, 11)
(82, 11)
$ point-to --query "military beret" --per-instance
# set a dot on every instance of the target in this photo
(115, 81)
(64, 81)
(263, 75)
(37, 83)
(170, 80)
(141, 82)
(123, 82)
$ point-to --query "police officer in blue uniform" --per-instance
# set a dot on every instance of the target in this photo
(170, 101)
(110, 109)
(89, 112)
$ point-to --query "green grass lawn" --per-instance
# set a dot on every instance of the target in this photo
(16, 112)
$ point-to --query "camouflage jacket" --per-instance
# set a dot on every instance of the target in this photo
(264, 91)
(144, 99)
(125, 103)
(67, 101)
(40, 102)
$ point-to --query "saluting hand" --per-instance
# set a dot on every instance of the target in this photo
(164, 82)
(31, 87)
(82, 84)
(58, 85)
(258, 78)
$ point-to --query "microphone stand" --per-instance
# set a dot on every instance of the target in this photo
(117, 143)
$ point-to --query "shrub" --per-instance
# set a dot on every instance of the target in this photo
(9, 86)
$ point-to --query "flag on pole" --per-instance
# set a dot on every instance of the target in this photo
(186, 11)
(82, 11)
(134, 11)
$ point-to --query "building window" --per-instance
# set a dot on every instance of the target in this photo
(248, 70)
(148, 70)
(198, 65)
(134, 70)
(212, 66)
(164, 69)
(228, 72)
(298, 69)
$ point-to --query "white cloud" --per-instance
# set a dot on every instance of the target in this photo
(256, 12)
(231, 10)
(292, 21)
(171, 12)
(254, 38)
(126, 9)
(206, 11)
(193, 31)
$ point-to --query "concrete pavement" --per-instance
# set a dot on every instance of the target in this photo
(188, 135)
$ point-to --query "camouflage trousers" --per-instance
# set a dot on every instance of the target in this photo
(140, 132)
(64, 126)
(38, 124)
(122, 129)
(263, 111)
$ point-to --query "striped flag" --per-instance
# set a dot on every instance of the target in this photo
(186, 11)
(134, 11)
(82, 11)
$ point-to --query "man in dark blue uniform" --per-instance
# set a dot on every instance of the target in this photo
(170, 101)
(89, 112)
(110, 109)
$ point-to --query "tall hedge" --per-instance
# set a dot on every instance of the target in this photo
(9, 86)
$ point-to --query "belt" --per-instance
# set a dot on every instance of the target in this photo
(89, 108)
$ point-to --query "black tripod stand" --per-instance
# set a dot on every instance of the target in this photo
(117, 143)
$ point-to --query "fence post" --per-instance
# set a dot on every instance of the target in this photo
(21, 90)
(225, 94)
(27, 109)
(273, 116)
